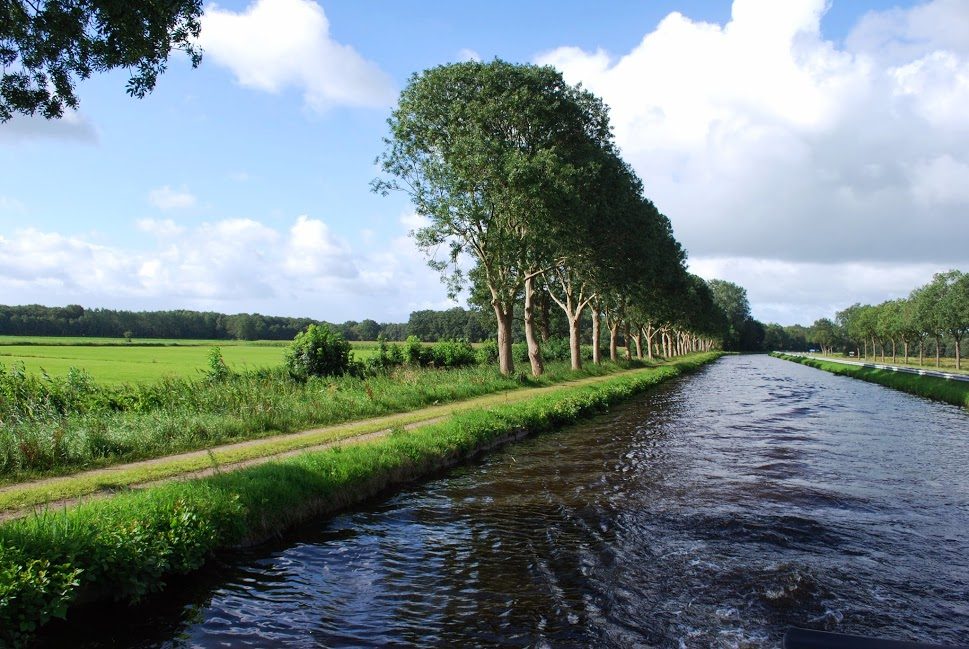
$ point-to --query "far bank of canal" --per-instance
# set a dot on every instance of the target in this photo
(713, 511)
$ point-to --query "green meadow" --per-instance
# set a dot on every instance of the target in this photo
(114, 361)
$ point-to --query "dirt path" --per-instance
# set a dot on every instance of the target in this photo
(20, 499)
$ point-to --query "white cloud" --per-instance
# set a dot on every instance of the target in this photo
(166, 198)
(277, 44)
(762, 140)
(230, 265)
(11, 205)
(466, 54)
(161, 228)
(72, 126)
(943, 180)
(313, 251)
(793, 292)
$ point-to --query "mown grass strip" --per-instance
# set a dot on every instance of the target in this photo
(954, 392)
(125, 546)
(31, 494)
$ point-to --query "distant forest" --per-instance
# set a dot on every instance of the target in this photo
(75, 320)
(473, 325)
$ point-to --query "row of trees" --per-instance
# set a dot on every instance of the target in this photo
(937, 312)
(75, 320)
(520, 179)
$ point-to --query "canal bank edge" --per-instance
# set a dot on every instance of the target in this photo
(938, 389)
(123, 548)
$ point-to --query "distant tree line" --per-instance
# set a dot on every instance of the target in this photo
(74, 320)
(933, 319)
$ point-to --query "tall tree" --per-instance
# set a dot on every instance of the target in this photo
(732, 300)
(484, 150)
(47, 45)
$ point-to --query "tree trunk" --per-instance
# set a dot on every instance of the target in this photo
(893, 350)
(625, 335)
(534, 348)
(596, 336)
(650, 332)
(865, 343)
(638, 339)
(938, 352)
(504, 316)
(958, 353)
(921, 352)
(614, 342)
(574, 342)
(544, 327)
(905, 345)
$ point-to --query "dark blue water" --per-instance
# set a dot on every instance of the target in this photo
(712, 512)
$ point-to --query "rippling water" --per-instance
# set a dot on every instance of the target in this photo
(712, 512)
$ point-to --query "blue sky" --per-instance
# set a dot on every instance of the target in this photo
(815, 154)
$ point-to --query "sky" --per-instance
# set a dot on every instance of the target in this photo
(816, 153)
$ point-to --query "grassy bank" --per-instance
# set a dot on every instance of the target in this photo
(126, 546)
(54, 426)
(954, 392)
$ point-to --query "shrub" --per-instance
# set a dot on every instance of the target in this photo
(218, 371)
(415, 353)
(488, 352)
(453, 353)
(318, 351)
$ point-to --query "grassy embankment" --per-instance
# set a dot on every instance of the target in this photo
(946, 364)
(954, 392)
(53, 426)
(125, 546)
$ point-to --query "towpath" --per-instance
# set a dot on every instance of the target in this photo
(23, 498)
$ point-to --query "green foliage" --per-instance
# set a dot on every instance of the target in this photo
(487, 353)
(453, 353)
(46, 45)
(553, 350)
(32, 591)
(218, 370)
(318, 351)
(415, 353)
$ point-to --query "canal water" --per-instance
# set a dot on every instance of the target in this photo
(714, 511)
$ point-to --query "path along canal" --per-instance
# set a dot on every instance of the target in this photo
(712, 512)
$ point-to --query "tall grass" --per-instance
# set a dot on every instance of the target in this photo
(126, 546)
(51, 425)
(931, 387)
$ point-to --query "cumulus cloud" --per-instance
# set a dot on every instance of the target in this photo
(162, 228)
(466, 54)
(278, 44)
(166, 198)
(762, 140)
(228, 265)
(72, 126)
(801, 292)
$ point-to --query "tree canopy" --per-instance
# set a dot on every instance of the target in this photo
(47, 45)
(517, 171)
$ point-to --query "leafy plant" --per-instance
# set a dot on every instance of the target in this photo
(318, 351)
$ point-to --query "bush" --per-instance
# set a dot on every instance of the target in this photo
(318, 351)
(488, 352)
(453, 353)
(415, 353)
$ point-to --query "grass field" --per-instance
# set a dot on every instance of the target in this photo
(114, 361)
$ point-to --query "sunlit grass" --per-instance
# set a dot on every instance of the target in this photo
(949, 391)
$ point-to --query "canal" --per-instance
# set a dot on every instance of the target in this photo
(714, 511)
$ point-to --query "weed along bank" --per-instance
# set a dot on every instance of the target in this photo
(128, 545)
